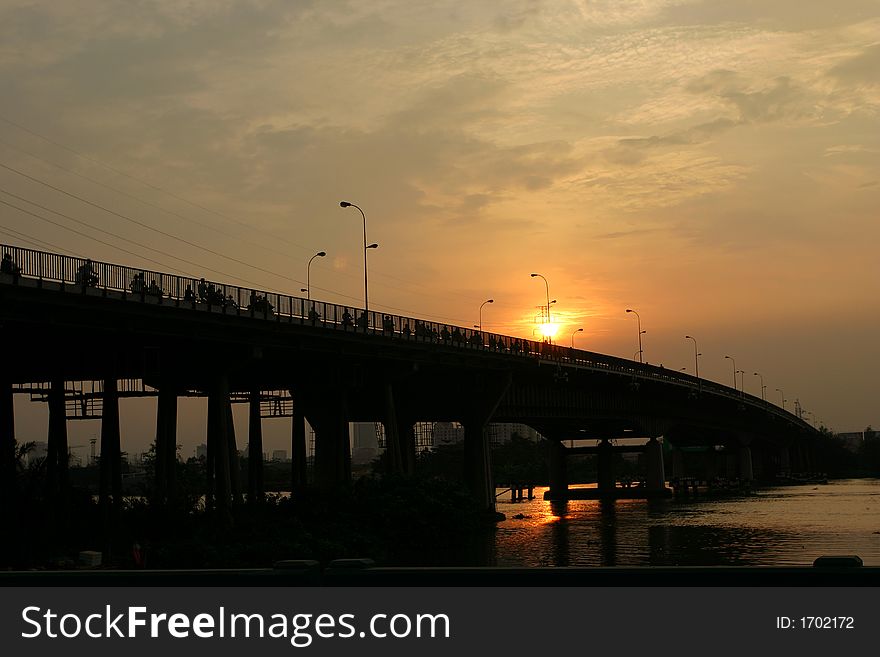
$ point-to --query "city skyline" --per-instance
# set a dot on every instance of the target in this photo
(713, 167)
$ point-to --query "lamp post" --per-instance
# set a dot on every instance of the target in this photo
(639, 320)
(346, 204)
(732, 360)
(742, 381)
(547, 290)
(308, 288)
(696, 359)
(781, 394)
(580, 330)
(481, 312)
(763, 387)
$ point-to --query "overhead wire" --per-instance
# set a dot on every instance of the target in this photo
(377, 273)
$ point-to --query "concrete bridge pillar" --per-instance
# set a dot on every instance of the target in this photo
(329, 418)
(481, 400)
(784, 459)
(256, 489)
(221, 446)
(556, 455)
(477, 463)
(234, 462)
(745, 463)
(710, 460)
(678, 471)
(166, 445)
(605, 465)
(110, 488)
(7, 447)
(400, 437)
(298, 468)
(655, 479)
(394, 458)
(57, 449)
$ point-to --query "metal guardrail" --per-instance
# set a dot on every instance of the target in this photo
(186, 292)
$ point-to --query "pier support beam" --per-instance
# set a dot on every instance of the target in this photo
(477, 463)
(558, 475)
(400, 439)
(57, 449)
(394, 459)
(166, 445)
(256, 489)
(110, 488)
(219, 467)
(677, 463)
(7, 449)
(655, 477)
(745, 463)
(605, 466)
(298, 469)
(784, 460)
(481, 401)
(327, 413)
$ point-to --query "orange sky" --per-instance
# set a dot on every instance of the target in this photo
(715, 166)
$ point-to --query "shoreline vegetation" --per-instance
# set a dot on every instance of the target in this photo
(423, 520)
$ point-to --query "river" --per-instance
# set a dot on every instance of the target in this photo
(781, 526)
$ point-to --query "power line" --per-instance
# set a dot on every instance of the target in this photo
(33, 241)
(144, 225)
(119, 172)
(143, 201)
(201, 207)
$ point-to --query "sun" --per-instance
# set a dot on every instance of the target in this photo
(549, 329)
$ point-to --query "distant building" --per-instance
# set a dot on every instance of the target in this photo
(502, 432)
(202, 451)
(279, 455)
(852, 440)
(364, 442)
(447, 433)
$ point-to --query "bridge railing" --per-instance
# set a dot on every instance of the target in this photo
(146, 285)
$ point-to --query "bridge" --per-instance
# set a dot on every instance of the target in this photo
(69, 319)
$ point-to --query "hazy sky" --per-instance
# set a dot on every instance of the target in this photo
(714, 165)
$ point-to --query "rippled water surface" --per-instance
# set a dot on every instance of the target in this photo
(782, 526)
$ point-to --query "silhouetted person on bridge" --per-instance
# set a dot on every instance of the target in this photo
(347, 320)
(9, 267)
(444, 334)
(154, 290)
(363, 321)
(86, 275)
(405, 330)
(202, 287)
(387, 324)
(137, 285)
(189, 296)
(313, 315)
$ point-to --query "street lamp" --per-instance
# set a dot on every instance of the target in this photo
(639, 320)
(481, 312)
(580, 330)
(696, 358)
(346, 204)
(763, 387)
(732, 360)
(547, 290)
(308, 288)
(781, 394)
(742, 381)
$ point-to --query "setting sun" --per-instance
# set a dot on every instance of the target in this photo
(549, 329)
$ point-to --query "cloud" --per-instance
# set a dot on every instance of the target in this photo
(863, 68)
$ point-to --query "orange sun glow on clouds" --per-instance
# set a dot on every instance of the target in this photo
(714, 165)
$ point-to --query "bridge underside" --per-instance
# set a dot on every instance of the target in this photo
(336, 377)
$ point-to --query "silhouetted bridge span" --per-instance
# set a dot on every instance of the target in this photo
(67, 319)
